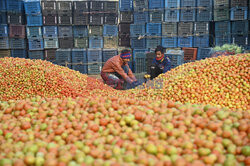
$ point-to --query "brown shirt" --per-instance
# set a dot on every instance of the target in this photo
(115, 64)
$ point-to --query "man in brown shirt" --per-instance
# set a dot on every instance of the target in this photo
(116, 72)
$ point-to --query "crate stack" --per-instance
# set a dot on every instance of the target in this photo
(34, 29)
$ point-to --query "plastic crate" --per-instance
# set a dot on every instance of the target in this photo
(188, 3)
(50, 55)
(111, 6)
(96, 19)
(153, 29)
(153, 42)
(155, 4)
(95, 68)
(222, 39)
(108, 53)
(126, 17)
(65, 19)
(4, 53)
(203, 53)
(3, 17)
(19, 53)
(172, 15)
(4, 43)
(96, 6)
(95, 30)
(201, 41)
(4, 31)
(15, 18)
(63, 56)
(34, 20)
(50, 19)
(17, 43)
(141, 17)
(50, 43)
(2, 5)
(137, 30)
(220, 3)
(201, 28)
(185, 28)
(140, 5)
(36, 44)
(205, 3)
(204, 14)
(81, 6)
(17, 31)
(95, 42)
(32, 7)
(124, 41)
(221, 14)
(82, 42)
(169, 29)
(187, 15)
(50, 32)
(65, 31)
(176, 57)
(172, 3)
(34, 32)
(185, 41)
(94, 55)
(156, 16)
(238, 13)
(169, 42)
(35, 55)
(80, 19)
(140, 62)
(238, 3)
(111, 18)
(138, 43)
(79, 55)
(110, 30)
(190, 53)
(223, 28)
(66, 42)
(64, 7)
(14, 5)
(124, 29)
(240, 27)
(49, 7)
(125, 5)
(80, 31)
(240, 40)
(110, 42)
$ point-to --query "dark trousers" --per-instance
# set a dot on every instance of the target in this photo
(155, 71)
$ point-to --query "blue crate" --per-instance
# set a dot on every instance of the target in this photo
(4, 43)
(201, 41)
(63, 56)
(3, 17)
(204, 14)
(203, 53)
(79, 55)
(65, 31)
(156, 16)
(14, 5)
(172, 3)
(110, 30)
(188, 3)
(94, 55)
(240, 27)
(153, 29)
(34, 20)
(137, 52)
(3, 5)
(19, 53)
(140, 5)
(4, 30)
(141, 17)
(240, 40)
(95, 42)
(140, 62)
(36, 55)
(81, 68)
(138, 43)
(172, 15)
(205, 3)
(222, 39)
(51, 43)
(155, 4)
(50, 31)
(223, 28)
(187, 15)
(176, 57)
(153, 42)
(238, 13)
(169, 42)
(201, 28)
(125, 5)
(32, 6)
(36, 44)
(108, 53)
(95, 68)
(185, 41)
(34, 32)
(80, 31)
(17, 43)
(137, 30)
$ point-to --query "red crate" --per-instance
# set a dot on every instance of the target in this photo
(189, 53)
(17, 31)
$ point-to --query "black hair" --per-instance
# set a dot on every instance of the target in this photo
(125, 51)
(160, 48)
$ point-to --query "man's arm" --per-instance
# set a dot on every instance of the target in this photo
(167, 65)
(120, 71)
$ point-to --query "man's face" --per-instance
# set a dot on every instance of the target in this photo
(126, 60)
(158, 54)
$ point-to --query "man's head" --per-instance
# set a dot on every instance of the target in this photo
(125, 55)
(159, 51)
